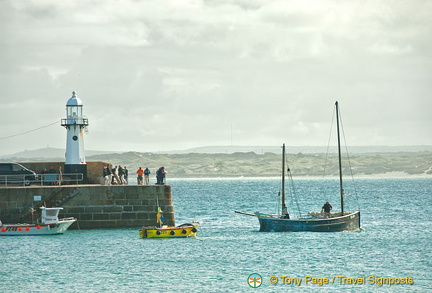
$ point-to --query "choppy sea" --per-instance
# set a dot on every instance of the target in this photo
(394, 245)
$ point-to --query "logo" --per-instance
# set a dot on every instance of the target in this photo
(255, 280)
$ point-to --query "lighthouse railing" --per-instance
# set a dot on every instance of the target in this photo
(74, 121)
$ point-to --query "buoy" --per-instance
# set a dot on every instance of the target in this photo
(27, 228)
(3, 229)
(19, 229)
(38, 227)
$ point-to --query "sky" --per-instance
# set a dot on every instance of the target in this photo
(172, 75)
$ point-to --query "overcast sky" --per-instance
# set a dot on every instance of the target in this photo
(165, 75)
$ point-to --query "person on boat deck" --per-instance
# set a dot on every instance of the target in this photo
(327, 207)
(285, 212)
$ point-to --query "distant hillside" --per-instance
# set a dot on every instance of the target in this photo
(269, 164)
(252, 164)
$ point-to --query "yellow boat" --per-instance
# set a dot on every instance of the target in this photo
(182, 231)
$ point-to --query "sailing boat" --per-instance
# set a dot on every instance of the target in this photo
(315, 221)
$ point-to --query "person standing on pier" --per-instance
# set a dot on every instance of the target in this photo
(120, 174)
(60, 176)
(160, 175)
(107, 175)
(163, 175)
(140, 173)
(126, 175)
(147, 176)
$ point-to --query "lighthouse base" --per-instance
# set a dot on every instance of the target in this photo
(77, 168)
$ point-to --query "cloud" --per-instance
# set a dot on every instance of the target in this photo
(191, 73)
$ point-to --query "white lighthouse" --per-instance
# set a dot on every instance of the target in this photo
(75, 123)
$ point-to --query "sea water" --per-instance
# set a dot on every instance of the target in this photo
(394, 245)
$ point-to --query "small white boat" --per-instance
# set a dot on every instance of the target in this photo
(49, 224)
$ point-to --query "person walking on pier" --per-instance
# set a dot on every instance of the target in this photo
(121, 174)
(115, 176)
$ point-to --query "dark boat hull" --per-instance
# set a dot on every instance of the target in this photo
(347, 222)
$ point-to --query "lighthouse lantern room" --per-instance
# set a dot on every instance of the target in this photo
(75, 123)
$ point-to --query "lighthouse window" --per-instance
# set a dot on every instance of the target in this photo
(74, 137)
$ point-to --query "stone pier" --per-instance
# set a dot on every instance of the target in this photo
(95, 206)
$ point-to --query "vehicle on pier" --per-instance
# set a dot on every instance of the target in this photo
(17, 174)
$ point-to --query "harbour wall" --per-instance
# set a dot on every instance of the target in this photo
(95, 206)
(94, 169)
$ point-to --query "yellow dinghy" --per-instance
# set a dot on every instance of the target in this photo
(182, 231)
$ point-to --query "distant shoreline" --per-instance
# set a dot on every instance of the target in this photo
(393, 175)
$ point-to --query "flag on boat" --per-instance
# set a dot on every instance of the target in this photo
(159, 216)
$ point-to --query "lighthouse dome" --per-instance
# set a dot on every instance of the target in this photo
(74, 100)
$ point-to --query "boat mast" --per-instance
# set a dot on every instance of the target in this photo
(284, 208)
(340, 159)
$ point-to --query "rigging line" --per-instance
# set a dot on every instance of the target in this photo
(278, 208)
(328, 142)
(349, 161)
(10, 136)
(292, 189)
(294, 194)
